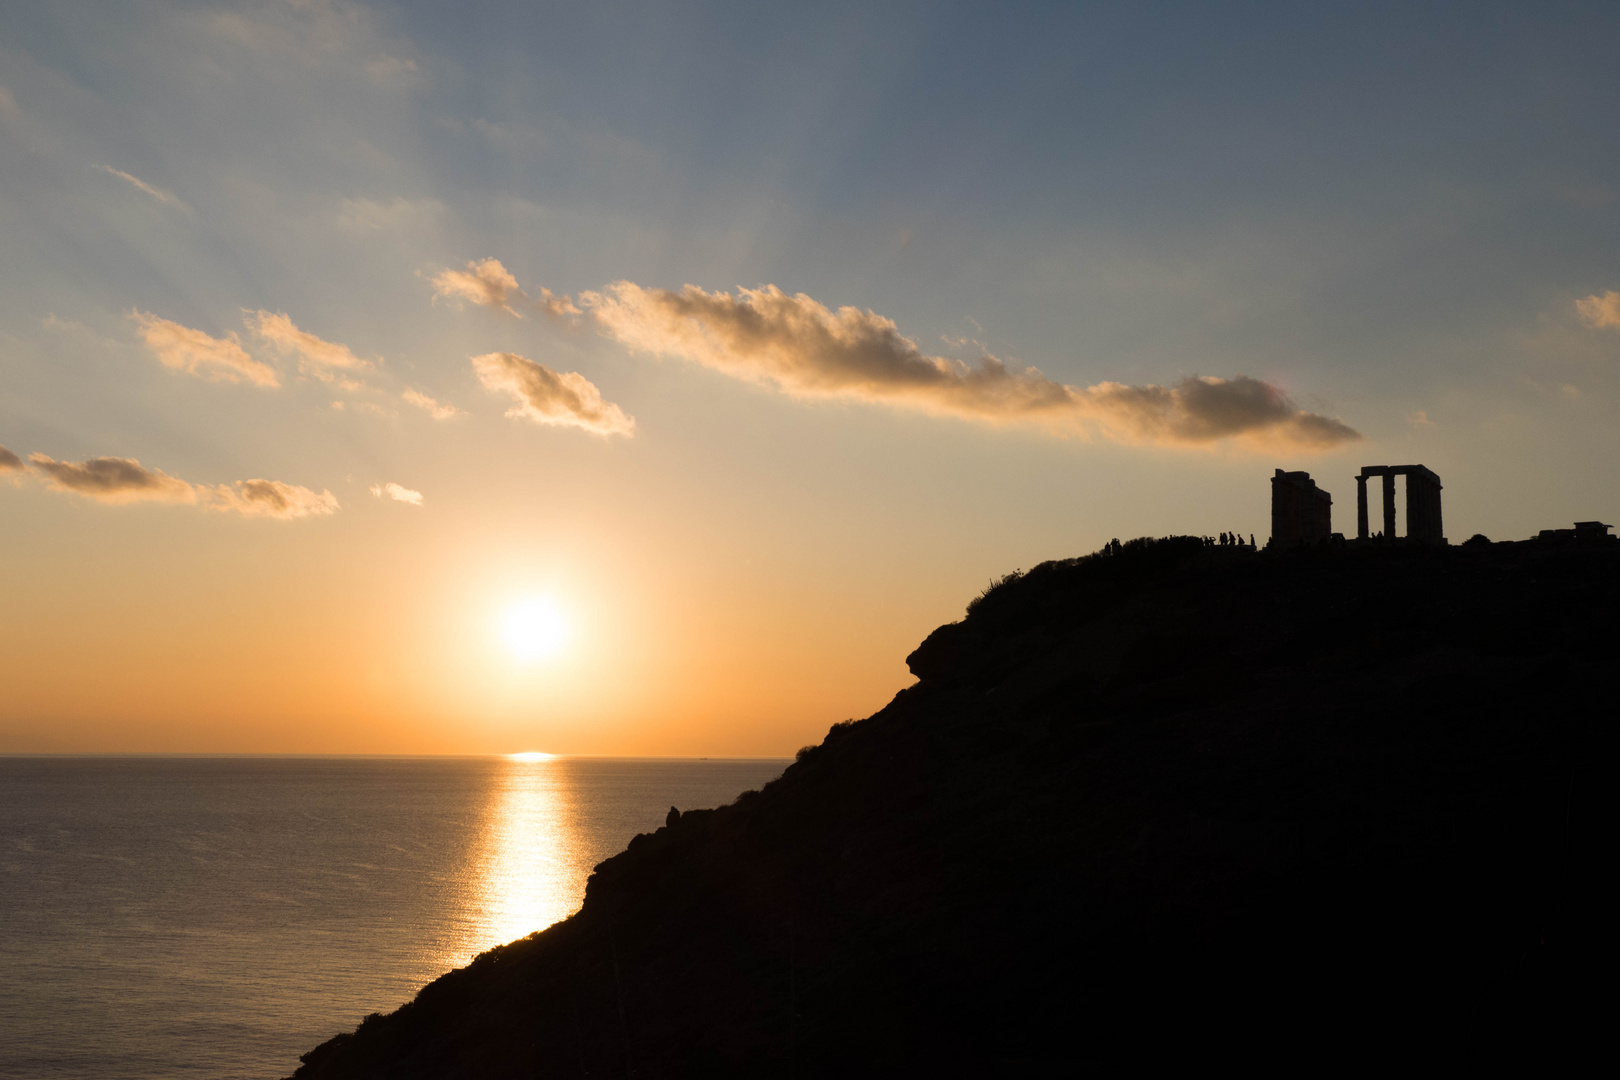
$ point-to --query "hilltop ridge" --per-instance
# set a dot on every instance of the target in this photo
(1170, 788)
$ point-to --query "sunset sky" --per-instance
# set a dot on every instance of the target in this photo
(651, 379)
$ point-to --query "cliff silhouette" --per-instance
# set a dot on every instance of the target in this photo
(1148, 803)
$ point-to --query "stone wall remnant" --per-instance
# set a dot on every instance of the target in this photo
(1300, 511)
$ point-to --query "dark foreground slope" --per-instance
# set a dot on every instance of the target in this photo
(1134, 803)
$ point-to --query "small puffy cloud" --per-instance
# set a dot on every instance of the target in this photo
(196, 353)
(113, 480)
(167, 198)
(9, 461)
(803, 348)
(316, 356)
(1600, 312)
(487, 284)
(270, 498)
(436, 409)
(549, 397)
(397, 492)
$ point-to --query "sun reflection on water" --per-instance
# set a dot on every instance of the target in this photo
(532, 876)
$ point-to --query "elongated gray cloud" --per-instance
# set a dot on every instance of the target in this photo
(196, 353)
(564, 398)
(9, 461)
(805, 349)
(125, 480)
(113, 480)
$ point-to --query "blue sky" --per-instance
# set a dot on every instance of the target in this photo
(1386, 217)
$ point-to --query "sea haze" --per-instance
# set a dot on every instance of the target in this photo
(217, 917)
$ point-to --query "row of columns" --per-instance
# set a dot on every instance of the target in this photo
(1423, 521)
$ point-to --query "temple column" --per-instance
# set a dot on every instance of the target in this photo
(1361, 508)
(1389, 506)
(1414, 506)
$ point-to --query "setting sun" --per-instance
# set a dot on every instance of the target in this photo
(533, 628)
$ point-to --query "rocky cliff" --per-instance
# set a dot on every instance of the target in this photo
(1137, 804)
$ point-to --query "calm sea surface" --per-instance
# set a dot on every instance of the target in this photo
(216, 917)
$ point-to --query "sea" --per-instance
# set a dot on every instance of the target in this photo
(217, 916)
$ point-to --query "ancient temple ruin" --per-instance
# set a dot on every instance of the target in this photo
(1300, 511)
(1422, 502)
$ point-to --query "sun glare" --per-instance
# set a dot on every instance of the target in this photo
(531, 755)
(534, 628)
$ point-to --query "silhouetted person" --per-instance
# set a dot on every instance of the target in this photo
(672, 817)
(1251, 539)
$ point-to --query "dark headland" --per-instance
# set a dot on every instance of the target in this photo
(1169, 799)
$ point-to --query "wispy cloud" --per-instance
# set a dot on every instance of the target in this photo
(804, 349)
(436, 409)
(8, 105)
(9, 461)
(397, 492)
(545, 396)
(196, 353)
(386, 70)
(167, 198)
(399, 213)
(124, 480)
(316, 356)
(1600, 312)
(331, 33)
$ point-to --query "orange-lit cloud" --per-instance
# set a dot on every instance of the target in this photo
(805, 349)
(196, 353)
(316, 356)
(167, 198)
(1600, 311)
(397, 492)
(545, 396)
(554, 305)
(125, 480)
(436, 409)
(487, 284)
(270, 498)
(9, 461)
